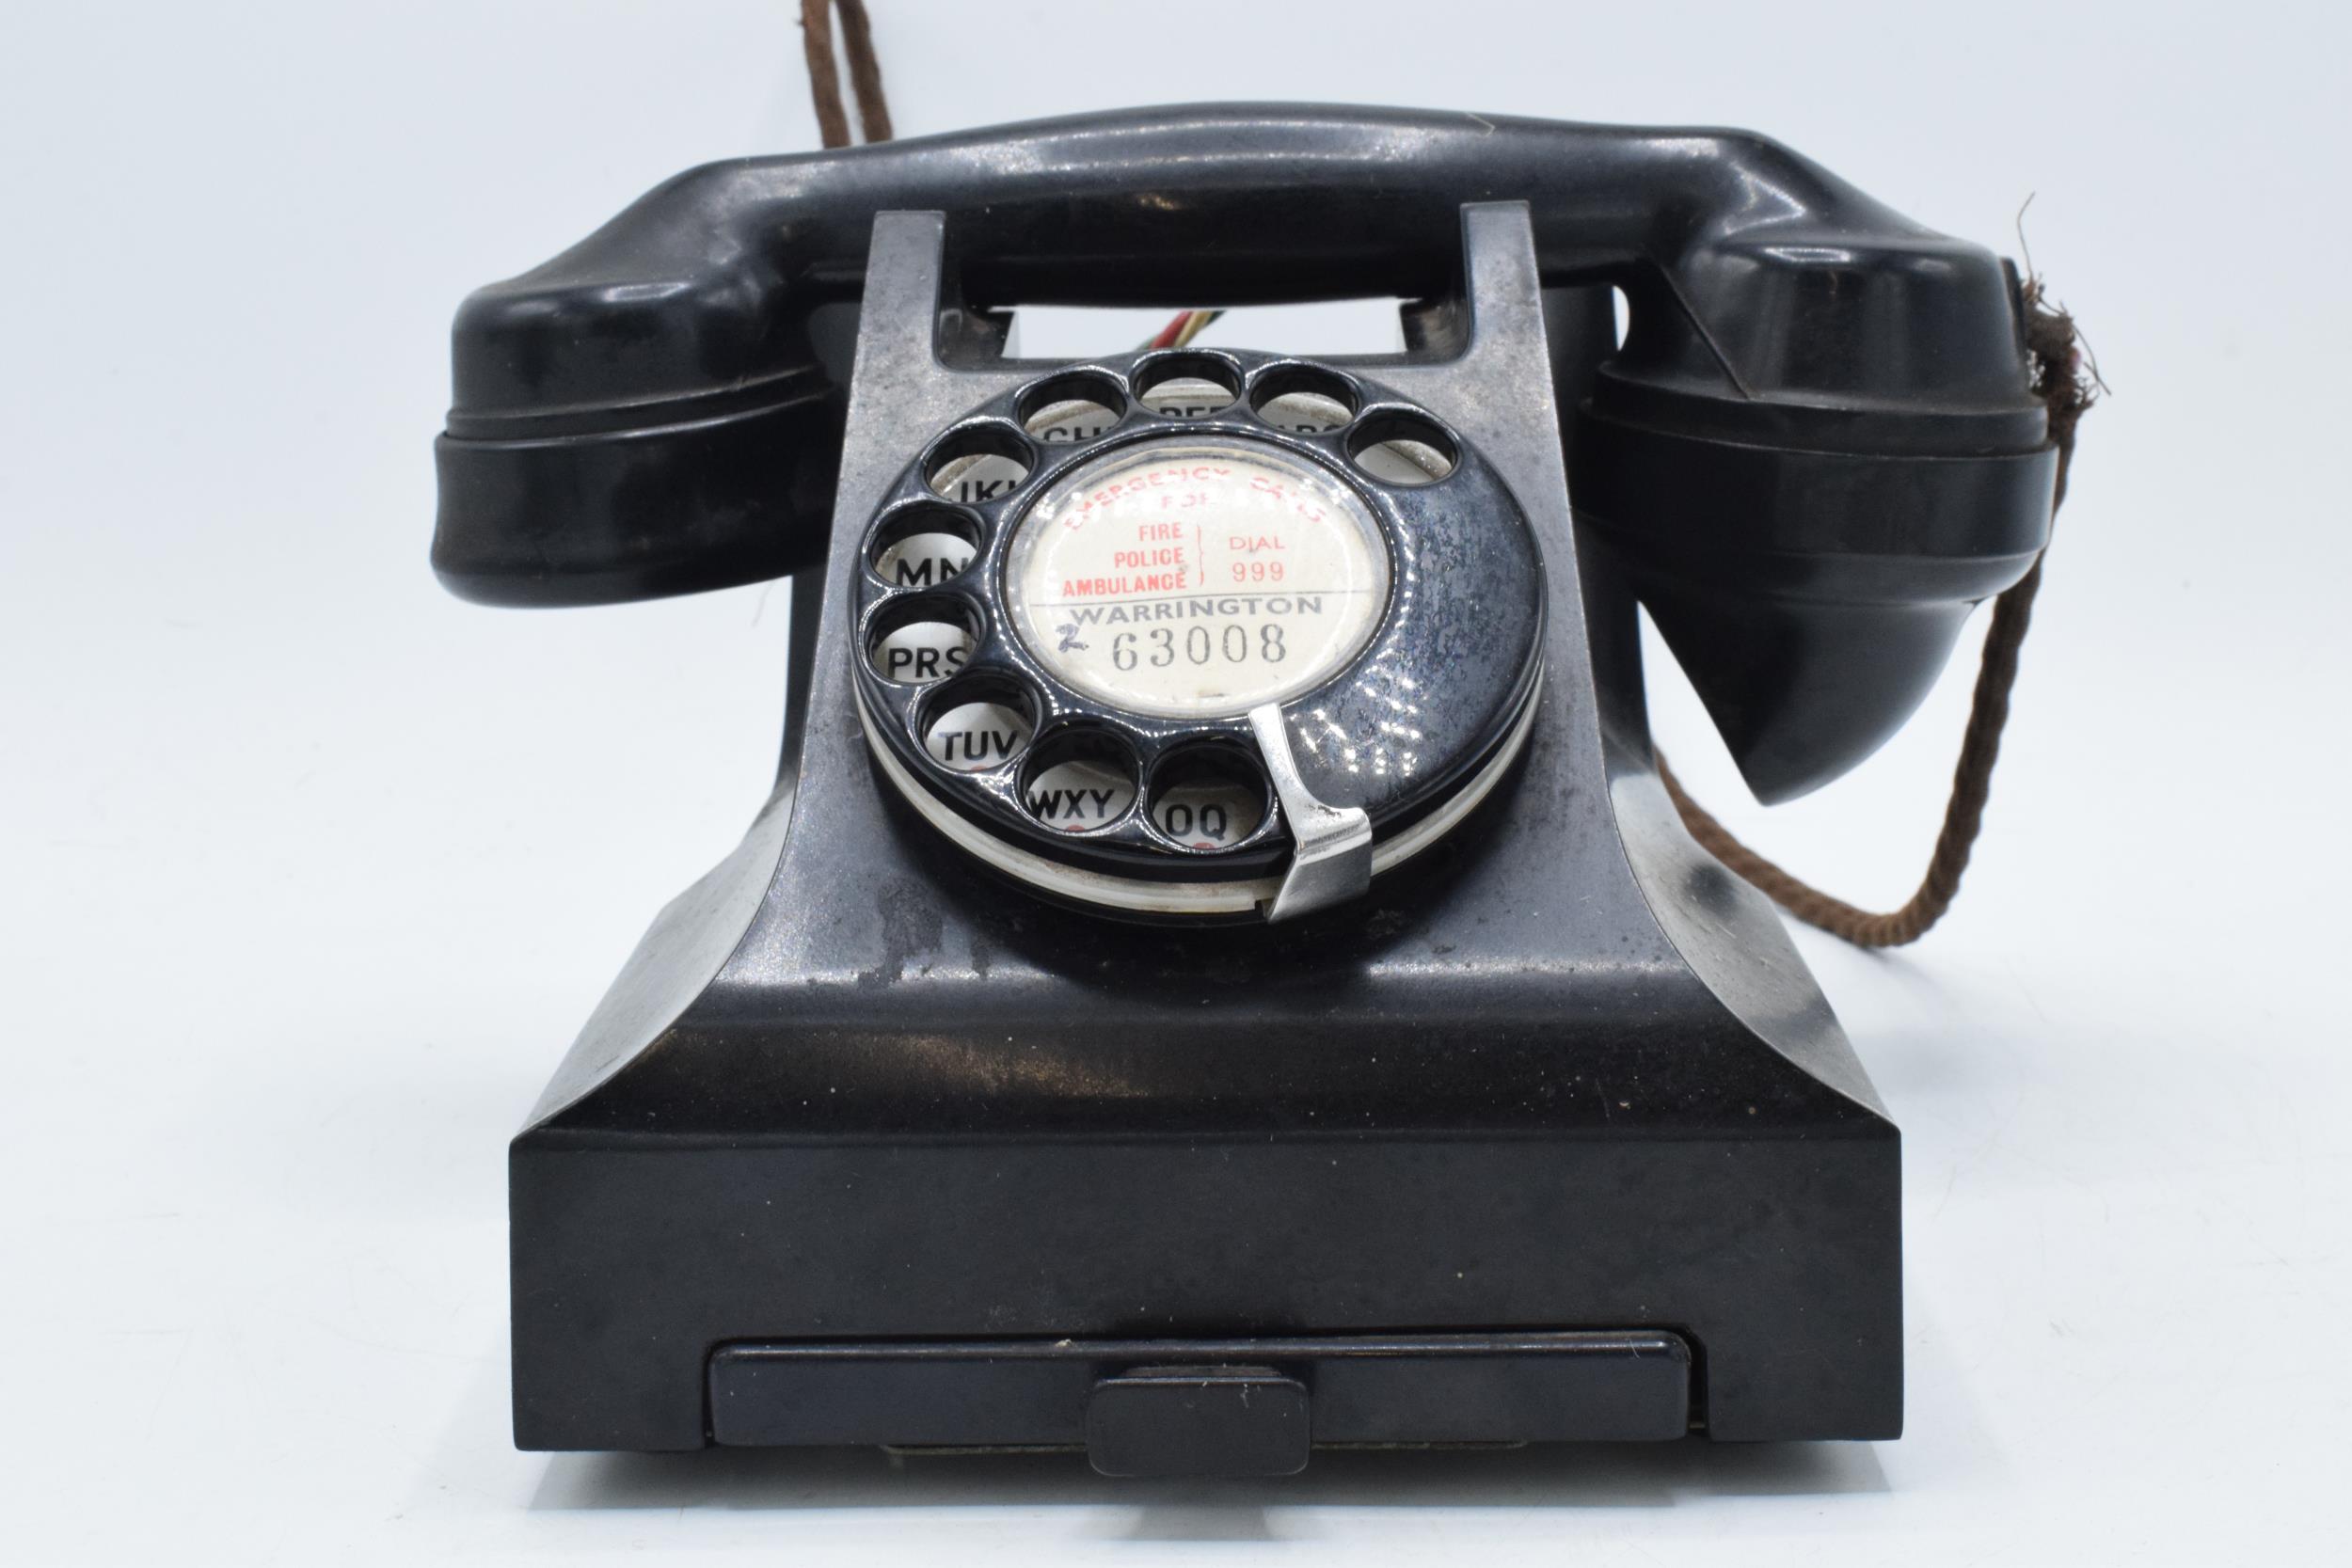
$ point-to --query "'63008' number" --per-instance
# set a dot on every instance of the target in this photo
(1159, 648)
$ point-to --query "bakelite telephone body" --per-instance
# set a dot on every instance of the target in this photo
(1218, 973)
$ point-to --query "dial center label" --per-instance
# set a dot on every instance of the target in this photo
(1196, 577)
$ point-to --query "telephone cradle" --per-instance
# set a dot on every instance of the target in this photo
(1218, 974)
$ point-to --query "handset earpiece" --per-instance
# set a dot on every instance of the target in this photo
(1810, 546)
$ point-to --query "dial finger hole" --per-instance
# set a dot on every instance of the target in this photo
(1208, 797)
(979, 726)
(1080, 780)
(920, 641)
(923, 546)
(1304, 401)
(1188, 386)
(1404, 450)
(1071, 408)
(978, 463)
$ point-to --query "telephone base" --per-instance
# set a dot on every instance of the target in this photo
(1464, 1162)
(1548, 1135)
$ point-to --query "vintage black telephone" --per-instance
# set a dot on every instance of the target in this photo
(1218, 973)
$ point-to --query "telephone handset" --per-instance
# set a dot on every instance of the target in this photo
(1818, 443)
(874, 1141)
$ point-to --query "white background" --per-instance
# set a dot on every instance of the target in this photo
(311, 871)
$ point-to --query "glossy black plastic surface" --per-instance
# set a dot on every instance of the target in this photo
(1560, 1074)
(1763, 282)
(1812, 596)
(1816, 448)
(1570, 1386)
(1210, 1420)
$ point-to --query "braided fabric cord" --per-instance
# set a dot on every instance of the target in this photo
(824, 77)
(2059, 377)
(2068, 392)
